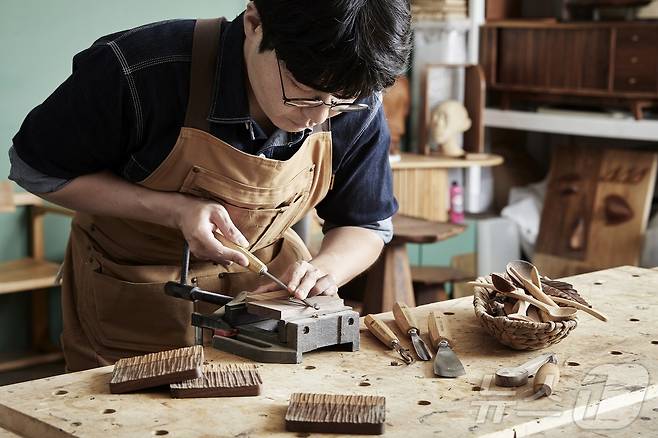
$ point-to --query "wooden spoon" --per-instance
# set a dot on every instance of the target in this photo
(534, 290)
(505, 287)
(595, 313)
(519, 311)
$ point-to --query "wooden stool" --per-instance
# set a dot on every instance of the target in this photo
(389, 279)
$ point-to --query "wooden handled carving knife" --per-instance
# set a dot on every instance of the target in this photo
(446, 362)
(407, 323)
(256, 265)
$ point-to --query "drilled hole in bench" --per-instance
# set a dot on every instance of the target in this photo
(160, 432)
(309, 367)
(634, 319)
(424, 402)
(60, 392)
(109, 411)
(364, 384)
(448, 313)
(573, 364)
(616, 353)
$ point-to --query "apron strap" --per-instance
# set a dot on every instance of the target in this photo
(205, 45)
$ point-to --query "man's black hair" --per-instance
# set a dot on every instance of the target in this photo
(349, 48)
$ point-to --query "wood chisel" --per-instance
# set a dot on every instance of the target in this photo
(386, 335)
(446, 362)
(407, 323)
(257, 266)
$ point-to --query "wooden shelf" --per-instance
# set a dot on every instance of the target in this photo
(417, 161)
(572, 124)
(27, 274)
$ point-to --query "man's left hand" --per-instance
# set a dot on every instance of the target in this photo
(305, 280)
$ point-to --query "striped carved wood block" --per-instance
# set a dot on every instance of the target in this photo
(335, 413)
(221, 380)
(156, 369)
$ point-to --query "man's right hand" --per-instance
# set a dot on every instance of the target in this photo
(198, 219)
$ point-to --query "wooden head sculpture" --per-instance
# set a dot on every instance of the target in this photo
(448, 121)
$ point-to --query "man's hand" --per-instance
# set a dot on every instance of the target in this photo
(198, 219)
(304, 280)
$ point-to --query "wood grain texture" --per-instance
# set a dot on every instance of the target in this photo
(576, 233)
(285, 309)
(156, 369)
(221, 380)
(335, 413)
(532, 61)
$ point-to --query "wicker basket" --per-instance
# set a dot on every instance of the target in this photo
(519, 335)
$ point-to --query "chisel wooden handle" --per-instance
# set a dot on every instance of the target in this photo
(381, 330)
(438, 329)
(546, 379)
(404, 319)
(255, 265)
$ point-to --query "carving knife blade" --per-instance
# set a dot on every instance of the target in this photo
(256, 265)
(446, 362)
(407, 323)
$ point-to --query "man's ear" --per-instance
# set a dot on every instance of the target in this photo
(252, 25)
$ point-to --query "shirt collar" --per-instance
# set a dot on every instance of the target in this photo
(230, 103)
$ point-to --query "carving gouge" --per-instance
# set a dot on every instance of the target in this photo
(446, 362)
(386, 335)
(407, 323)
(256, 265)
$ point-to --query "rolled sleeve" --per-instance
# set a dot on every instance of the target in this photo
(383, 228)
(31, 179)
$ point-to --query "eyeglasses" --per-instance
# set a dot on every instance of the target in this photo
(304, 102)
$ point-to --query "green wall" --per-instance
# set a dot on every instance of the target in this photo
(38, 39)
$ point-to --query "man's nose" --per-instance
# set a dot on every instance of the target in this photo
(317, 115)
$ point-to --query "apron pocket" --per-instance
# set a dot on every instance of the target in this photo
(139, 316)
(213, 185)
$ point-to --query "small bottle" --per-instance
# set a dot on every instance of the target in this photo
(456, 203)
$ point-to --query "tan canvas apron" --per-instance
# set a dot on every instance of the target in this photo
(113, 298)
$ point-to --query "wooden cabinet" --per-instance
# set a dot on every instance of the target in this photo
(609, 64)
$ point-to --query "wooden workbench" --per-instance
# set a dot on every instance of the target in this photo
(614, 361)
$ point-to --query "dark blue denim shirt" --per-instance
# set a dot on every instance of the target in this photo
(124, 104)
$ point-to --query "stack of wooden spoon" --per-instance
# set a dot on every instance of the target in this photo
(523, 283)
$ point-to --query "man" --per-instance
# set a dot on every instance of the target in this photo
(178, 130)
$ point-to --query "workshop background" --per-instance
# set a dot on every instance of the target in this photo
(548, 109)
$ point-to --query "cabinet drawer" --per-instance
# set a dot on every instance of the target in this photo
(637, 83)
(636, 38)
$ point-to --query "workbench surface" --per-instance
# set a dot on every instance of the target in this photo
(614, 362)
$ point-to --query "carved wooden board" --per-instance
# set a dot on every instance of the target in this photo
(335, 413)
(156, 369)
(285, 309)
(596, 209)
(221, 380)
